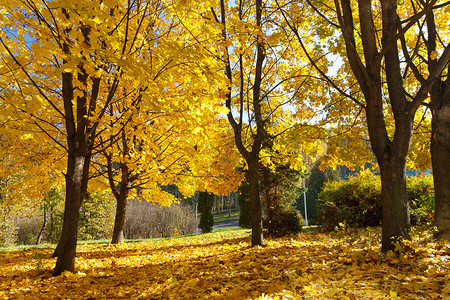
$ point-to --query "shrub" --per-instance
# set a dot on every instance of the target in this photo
(205, 205)
(314, 185)
(421, 199)
(357, 202)
(284, 222)
(144, 220)
(96, 217)
(8, 230)
(245, 215)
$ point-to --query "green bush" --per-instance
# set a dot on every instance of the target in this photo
(96, 217)
(357, 202)
(205, 205)
(421, 199)
(284, 222)
(245, 215)
(314, 185)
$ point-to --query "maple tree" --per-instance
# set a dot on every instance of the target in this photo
(372, 34)
(263, 93)
(35, 91)
(145, 147)
(440, 109)
(88, 60)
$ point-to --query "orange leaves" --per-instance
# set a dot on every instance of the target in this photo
(310, 265)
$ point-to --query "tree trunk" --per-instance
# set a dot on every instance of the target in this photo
(44, 224)
(396, 222)
(440, 156)
(255, 202)
(66, 248)
(119, 220)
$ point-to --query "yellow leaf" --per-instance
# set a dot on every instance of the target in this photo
(433, 55)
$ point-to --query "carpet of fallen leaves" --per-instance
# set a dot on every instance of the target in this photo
(310, 265)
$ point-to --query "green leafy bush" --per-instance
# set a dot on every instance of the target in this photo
(421, 199)
(315, 183)
(357, 202)
(284, 222)
(96, 217)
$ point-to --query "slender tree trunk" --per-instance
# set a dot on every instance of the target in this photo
(44, 224)
(255, 202)
(440, 156)
(119, 221)
(66, 248)
(396, 221)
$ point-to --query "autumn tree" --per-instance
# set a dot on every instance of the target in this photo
(65, 65)
(436, 22)
(154, 150)
(263, 83)
(371, 33)
(56, 84)
(144, 146)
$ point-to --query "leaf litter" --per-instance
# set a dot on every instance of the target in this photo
(309, 265)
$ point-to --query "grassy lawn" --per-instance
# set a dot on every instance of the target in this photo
(222, 217)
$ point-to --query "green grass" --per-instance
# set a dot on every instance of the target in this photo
(25, 247)
(222, 217)
(107, 241)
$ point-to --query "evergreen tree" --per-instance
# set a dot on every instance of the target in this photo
(205, 204)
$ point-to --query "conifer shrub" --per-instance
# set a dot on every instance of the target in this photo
(97, 216)
(245, 215)
(205, 205)
(284, 222)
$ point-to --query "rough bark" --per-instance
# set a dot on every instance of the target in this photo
(119, 220)
(66, 248)
(255, 202)
(396, 221)
(390, 152)
(79, 146)
(440, 137)
(440, 156)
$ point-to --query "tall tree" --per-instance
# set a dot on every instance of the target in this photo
(264, 92)
(57, 40)
(371, 34)
(440, 109)
(251, 156)
(66, 64)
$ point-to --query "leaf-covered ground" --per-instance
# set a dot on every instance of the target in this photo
(339, 265)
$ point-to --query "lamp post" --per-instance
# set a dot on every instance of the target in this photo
(304, 200)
